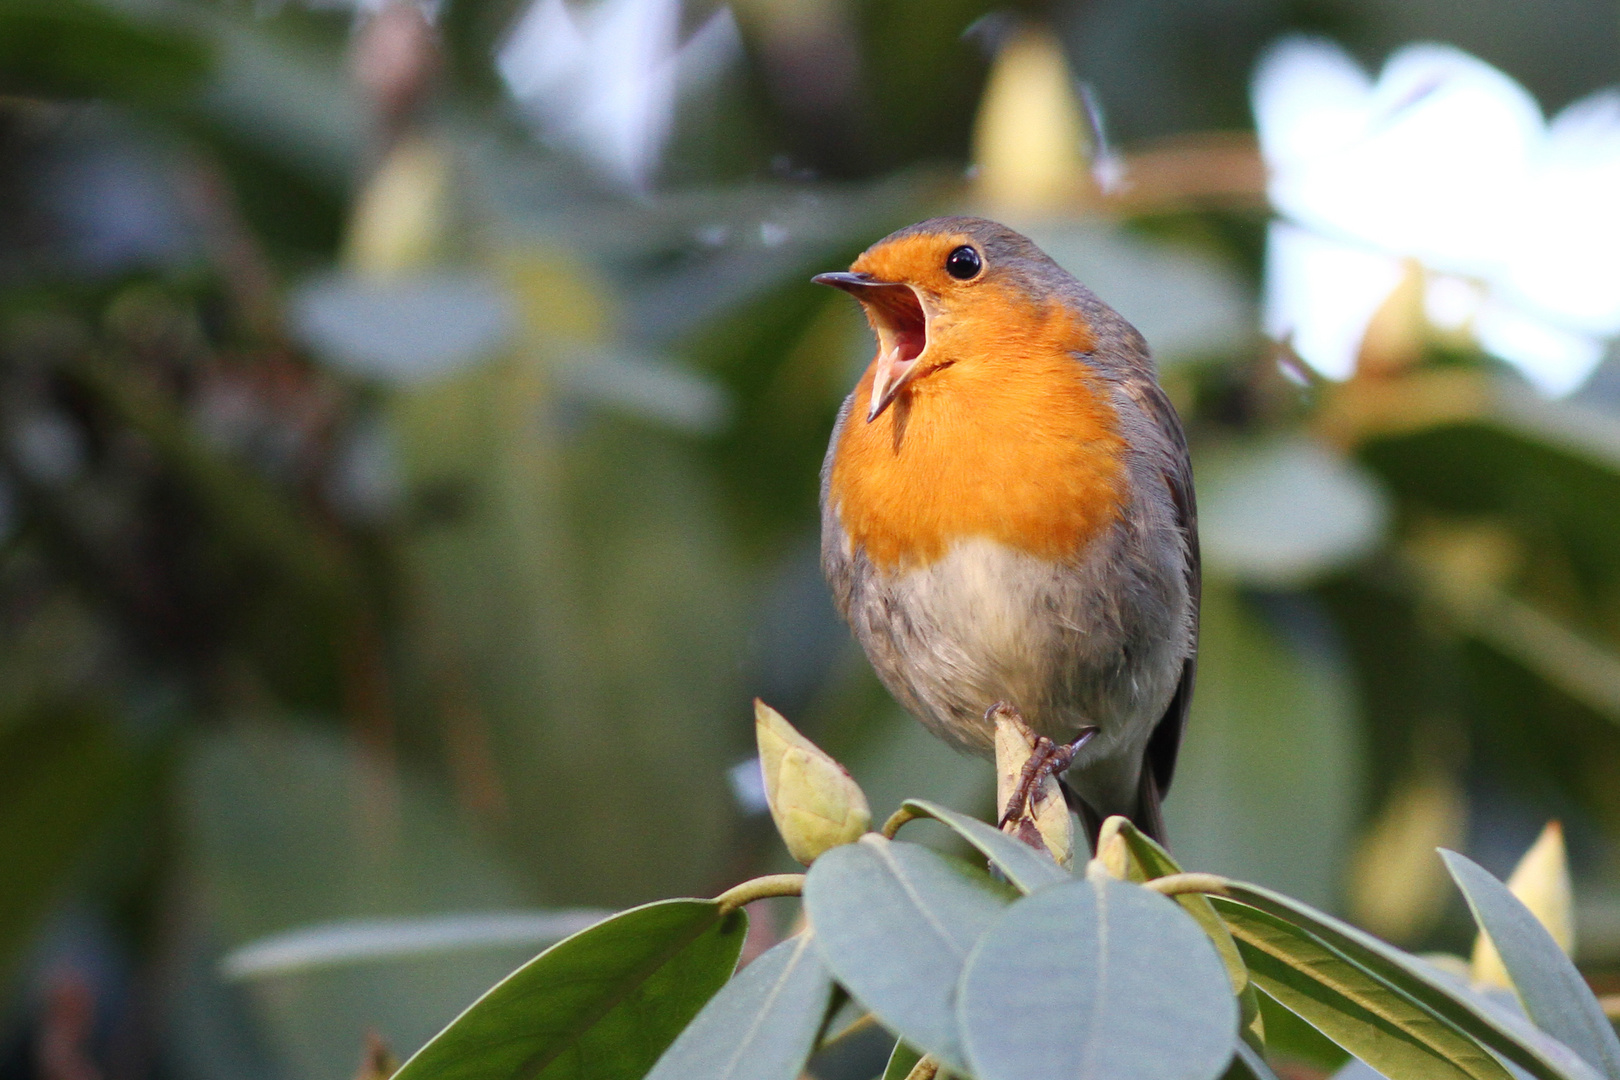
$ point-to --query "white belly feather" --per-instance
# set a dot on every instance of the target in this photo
(986, 623)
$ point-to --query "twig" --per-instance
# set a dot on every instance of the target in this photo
(897, 819)
(760, 888)
(1177, 884)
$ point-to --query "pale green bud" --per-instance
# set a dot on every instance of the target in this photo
(403, 219)
(813, 799)
(1113, 857)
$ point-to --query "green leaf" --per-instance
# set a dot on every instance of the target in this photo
(1148, 860)
(1515, 1039)
(1377, 1023)
(761, 1026)
(602, 1005)
(1096, 978)
(895, 923)
(1554, 995)
(1287, 1036)
(359, 941)
(901, 1062)
(1025, 867)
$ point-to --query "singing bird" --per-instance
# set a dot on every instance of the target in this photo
(1007, 510)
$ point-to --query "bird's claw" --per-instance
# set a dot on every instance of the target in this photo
(1048, 758)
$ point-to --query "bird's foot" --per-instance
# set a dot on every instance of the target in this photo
(1048, 758)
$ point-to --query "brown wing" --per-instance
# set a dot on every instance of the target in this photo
(1166, 738)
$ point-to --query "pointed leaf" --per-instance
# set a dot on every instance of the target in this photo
(895, 923)
(1515, 1039)
(1025, 867)
(761, 1026)
(1096, 978)
(353, 941)
(1552, 990)
(1367, 1017)
(601, 1005)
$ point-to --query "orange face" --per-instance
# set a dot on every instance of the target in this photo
(978, 418)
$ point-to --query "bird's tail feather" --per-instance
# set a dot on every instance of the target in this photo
(1149, 816)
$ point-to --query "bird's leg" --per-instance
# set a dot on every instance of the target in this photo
(1047, 759)
(1034, 769)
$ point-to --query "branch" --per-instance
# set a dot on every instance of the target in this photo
(897, 819)
(1178, 884)
(760, 888)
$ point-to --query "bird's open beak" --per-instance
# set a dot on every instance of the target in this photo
(901, 324)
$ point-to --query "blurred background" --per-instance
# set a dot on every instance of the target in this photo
(410, 418)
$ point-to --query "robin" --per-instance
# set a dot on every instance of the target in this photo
(1007, 512)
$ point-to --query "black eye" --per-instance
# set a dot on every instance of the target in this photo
(963, 263)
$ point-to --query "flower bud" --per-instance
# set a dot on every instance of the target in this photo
(1113, 857)
(1030, 138)
(813, 799)
(1541, 882)
(402, 221)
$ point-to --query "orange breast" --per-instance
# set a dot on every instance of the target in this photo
(1018, 445)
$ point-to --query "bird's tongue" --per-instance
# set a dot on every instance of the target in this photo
(903, 327)
(909, 342)
(901, 320)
